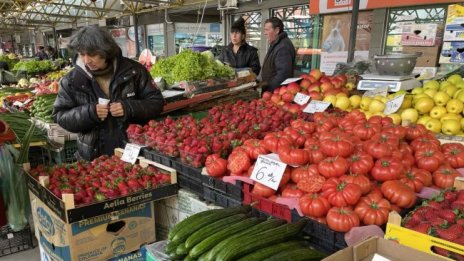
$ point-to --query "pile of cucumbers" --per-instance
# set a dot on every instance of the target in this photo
(42, 107)
(230, 234)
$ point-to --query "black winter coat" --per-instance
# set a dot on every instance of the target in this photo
(278, 63)
(247, 56)
(75, 106)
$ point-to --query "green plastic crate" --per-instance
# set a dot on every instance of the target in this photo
(65, 153)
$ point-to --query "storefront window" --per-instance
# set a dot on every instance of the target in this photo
(304, 31)
(155, 37)
(399, 16)
(253, 27)
(190, 34)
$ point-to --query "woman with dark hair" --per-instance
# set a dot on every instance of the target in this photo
(103, 94)
(239, 54)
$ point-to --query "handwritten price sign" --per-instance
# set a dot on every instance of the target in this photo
(290, 80)
(268, 171)
(131, 153)
(316, 106)
(393, 105)
(382, 91)
(301, 98)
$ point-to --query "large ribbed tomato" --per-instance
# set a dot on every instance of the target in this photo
(444, 177)
(291, 191)
(429, 158)
(373, 210)
(427, 140)
(341, 193)
(417, 179)
(254, 148)
(333, 167)
(215, 165)
(398, 193)
(388, 168)
(414, 131)
(336, 145)
(262, 190)
(292, 155)
(454, 154)
(303, 172)
(361, 180)
(313, 205)
(366, 131)
(361, 163)
(342, 219)
(315, 154)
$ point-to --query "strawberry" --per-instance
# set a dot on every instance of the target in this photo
(429, 213)
(413, 220)
(458, 204)
(438, 222)
(450, 196)
(460, 221)
(441, 251)
(422, 228)
(434, 204)
(449, 234)
(447, 214)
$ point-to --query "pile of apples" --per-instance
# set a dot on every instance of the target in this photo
(315, 84)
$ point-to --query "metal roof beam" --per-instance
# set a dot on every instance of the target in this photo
(59, 15)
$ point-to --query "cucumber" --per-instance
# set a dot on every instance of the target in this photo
(174, 256)
(212, 240)
(247, 244)
(171, 247)
(299, 254)
(188, 258)
(181, 250)
(211, 229)
(271, 250)
(266, 225)
(187, 228)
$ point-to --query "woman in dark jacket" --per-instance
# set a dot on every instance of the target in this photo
(102, 73)
(239, 54)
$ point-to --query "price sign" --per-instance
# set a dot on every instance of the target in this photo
(131, 152)
(301, 98)
(268, 171)
(316, 106)
(393, 105)
(381, 91)
(27, 101)
(18, 104)
(290, 80)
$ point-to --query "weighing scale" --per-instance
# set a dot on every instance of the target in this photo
(394, 83)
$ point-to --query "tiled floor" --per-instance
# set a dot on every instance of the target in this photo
(29, 255)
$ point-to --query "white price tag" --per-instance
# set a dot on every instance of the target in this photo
(103, 101)
(290, 80)
(378, 257)
(131, 152)
(9, 235)
(316, 106)
(268, 171)
(393, 105)
(381, 91)
(18, 104)
(27, 101)
(301, 98)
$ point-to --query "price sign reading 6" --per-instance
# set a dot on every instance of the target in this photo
(268, 171)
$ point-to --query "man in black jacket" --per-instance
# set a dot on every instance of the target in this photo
(102, 73)
(239, 54)
(280, 58)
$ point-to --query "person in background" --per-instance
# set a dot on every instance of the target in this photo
(239, 54)
(280, 58)
(41, 54)
(51, 53)
(103, 94)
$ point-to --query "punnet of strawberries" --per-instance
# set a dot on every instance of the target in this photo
(346, 170)
(219, 132)
(443, 217)
(103, 178)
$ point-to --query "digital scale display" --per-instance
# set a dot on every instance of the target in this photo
(378, 84)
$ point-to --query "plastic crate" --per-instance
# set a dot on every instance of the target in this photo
(185, 181)
(234, 191)
(13, 242)
(157, 157)
(193, 173)
(65, 153)
(272, 208)
(220, 199)
(38, 156)
(320, 235)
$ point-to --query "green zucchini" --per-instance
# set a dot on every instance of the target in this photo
(211, 229)
(300, 254)
(181, 250)
(189, 228)
(247, 244)
(271, 250)
(212, 240)
(266, 225)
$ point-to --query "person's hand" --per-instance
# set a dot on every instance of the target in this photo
(102, 111)
(116, 109)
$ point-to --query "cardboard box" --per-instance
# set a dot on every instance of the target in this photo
(425, 72)
(375, 248)
(454, 32)
(455, 14)
(140, 255)
(452, 52)
(69, 213)
(422, 35)
(98, 238)
(429, 55)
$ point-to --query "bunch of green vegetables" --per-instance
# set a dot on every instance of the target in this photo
(42, 107)
(34, 66)
(20, 123)
(190, 66)
(11, 62)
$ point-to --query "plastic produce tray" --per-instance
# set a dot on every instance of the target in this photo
(13, 242)
(65, 153)
(187, 182)
(193, 173)
(234, 191)
(263, 204)
(220, 199)
(157, 157)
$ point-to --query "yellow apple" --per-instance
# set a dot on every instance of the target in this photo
(430, 92)
(460, 84)
(407, 102)
(396, 118)
(431, 85)
(444, 84)
(410, 115)
(424, 105)
(330, 98)
(341, 94)
(460, 96)
(342, 103)
(355, 101)
(350, 86)
(417, 90)
(365, 102)
(433, 125)
(462, 123)
(368, 114)
(419, 96)
(376, 106)
(423, 120)
(451, 127)
(455, 78)
(451, 116)
(450, 89)
(441, 98)
(437, 112)
(454, 106)
(456, 94)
